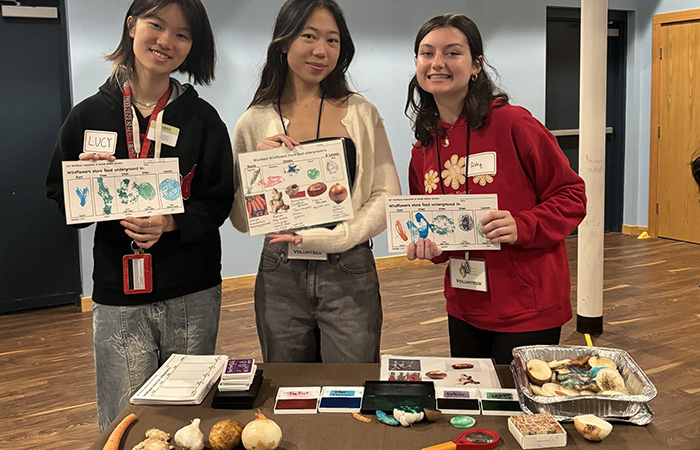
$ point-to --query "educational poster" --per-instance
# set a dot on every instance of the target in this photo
(453, 222)
(96, 191)
(443, 372)
(290, 190)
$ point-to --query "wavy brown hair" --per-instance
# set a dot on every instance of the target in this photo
(199, 64)
(420, 105)
(291, 20)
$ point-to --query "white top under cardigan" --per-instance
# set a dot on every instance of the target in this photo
(375, 177)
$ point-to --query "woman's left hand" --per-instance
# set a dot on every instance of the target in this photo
(146, 231)
(284, 237)
(499, 227)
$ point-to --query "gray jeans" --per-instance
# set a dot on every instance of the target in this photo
(339, 296)
(131, 342)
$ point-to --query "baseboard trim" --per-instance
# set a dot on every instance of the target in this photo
(634, 230)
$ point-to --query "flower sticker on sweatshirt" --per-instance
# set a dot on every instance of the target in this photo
(431, 181)
(483, 179)
(455, 173)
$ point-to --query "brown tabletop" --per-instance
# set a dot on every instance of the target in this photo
(330, 431)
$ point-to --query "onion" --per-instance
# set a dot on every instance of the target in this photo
(261, 434)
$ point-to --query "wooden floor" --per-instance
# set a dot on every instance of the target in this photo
(652, 310)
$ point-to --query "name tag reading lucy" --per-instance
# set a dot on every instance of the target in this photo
(99, 141)
(468, 274)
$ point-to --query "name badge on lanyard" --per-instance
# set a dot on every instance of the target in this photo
(468, 274)
(137, 268)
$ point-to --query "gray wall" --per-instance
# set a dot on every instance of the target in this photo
(514, 35)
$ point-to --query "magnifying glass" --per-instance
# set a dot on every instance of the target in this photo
(477, 438)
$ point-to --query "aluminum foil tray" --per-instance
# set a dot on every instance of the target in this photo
(630, 408)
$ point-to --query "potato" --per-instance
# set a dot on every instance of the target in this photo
(538, 371)
(225, 434)
(592, 427)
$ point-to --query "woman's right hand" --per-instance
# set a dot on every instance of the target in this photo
(97, 156)
(276, 141)
(425, 249)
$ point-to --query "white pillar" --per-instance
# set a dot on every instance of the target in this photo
(594, 50)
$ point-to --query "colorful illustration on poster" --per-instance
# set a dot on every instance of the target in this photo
(104, 193)
(313, 173)
(82, 195)
(292, 169)
(128, 192)
(169, 189)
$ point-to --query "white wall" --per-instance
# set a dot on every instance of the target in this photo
(514, 35)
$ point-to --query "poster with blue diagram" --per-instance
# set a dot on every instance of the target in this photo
(453, 222)
(96, 191)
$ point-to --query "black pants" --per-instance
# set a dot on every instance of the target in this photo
(467, 341)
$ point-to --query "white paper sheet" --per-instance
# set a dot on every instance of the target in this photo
(453, 222)
(96, 191)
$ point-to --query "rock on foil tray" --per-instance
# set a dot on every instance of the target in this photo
(632, 408)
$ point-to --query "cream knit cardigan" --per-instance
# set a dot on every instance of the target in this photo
(375, 177)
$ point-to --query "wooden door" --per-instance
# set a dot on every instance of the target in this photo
(674, 208)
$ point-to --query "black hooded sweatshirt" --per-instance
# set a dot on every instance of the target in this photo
(188, 259)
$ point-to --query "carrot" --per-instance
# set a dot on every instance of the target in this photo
(249, 207)
(116, 436)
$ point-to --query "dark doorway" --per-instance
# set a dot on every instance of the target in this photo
(40, 264)
(562, 98)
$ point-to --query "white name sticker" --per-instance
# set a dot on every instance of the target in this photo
(482, 164)
(295, 253)
(468, 274)
(99, 141)
(168, 135)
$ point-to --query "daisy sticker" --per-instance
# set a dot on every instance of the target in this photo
(431, 181)
(455, 172)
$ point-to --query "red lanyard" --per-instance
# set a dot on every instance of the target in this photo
(129, 122)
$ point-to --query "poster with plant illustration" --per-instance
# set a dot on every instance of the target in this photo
(96, 191)
(290, 190)
(453, 222)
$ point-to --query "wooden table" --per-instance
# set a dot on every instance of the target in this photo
(340, 431)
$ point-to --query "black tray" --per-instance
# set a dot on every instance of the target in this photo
(387, 395)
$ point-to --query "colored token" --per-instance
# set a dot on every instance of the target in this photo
(462, 421)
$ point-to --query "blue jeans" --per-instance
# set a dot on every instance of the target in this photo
(339, 296)
(131, 342)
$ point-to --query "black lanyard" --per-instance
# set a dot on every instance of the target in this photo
(466, 167)
(320, 110)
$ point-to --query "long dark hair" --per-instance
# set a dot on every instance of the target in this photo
(289, 24)
(695, 167)
(199, 63)
(481, 93)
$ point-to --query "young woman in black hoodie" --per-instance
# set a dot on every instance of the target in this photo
(135, 333)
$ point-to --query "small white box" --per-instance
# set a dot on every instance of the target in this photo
(537, 431)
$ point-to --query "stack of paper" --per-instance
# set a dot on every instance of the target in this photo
(181, 380)
(238, 375)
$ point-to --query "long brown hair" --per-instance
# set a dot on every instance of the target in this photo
(291, 20)
(695, 168)
(421, 106)
(199, 63)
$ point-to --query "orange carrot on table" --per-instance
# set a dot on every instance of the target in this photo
(116, 436)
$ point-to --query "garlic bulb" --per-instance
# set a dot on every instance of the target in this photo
(190, 437)
(261, 434)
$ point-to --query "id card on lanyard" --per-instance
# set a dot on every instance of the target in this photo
(137, 268)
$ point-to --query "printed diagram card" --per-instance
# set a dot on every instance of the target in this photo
(290, 190)
(97, 191)
(443, 372)
(453, 222)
